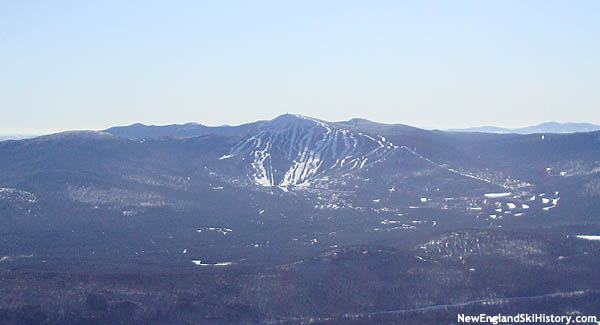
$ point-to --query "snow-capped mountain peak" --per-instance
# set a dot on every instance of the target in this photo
(293, 150)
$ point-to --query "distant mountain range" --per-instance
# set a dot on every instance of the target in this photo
(293, 177)
(296, 219)
(548, 127)
(142, 131)
(16, 136)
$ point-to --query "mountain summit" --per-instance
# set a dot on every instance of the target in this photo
(295, 150)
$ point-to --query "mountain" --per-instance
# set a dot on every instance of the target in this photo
(4, 137)
(296, 218)
(293, 176)
(547, 127)
(295, 151)
(140, 131)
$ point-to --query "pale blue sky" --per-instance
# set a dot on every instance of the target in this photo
(444, 64)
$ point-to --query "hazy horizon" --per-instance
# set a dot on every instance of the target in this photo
(79, 65)
(30, 134)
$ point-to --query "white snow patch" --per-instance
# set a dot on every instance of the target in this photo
(224, 231)
(545, 200)
(496, 195)
(525, 206)
(511, 205)
(362, 164)
(226, 157)
(199, 263)
(588, 237)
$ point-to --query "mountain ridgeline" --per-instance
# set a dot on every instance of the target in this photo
(343, 221)
(547, 127)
